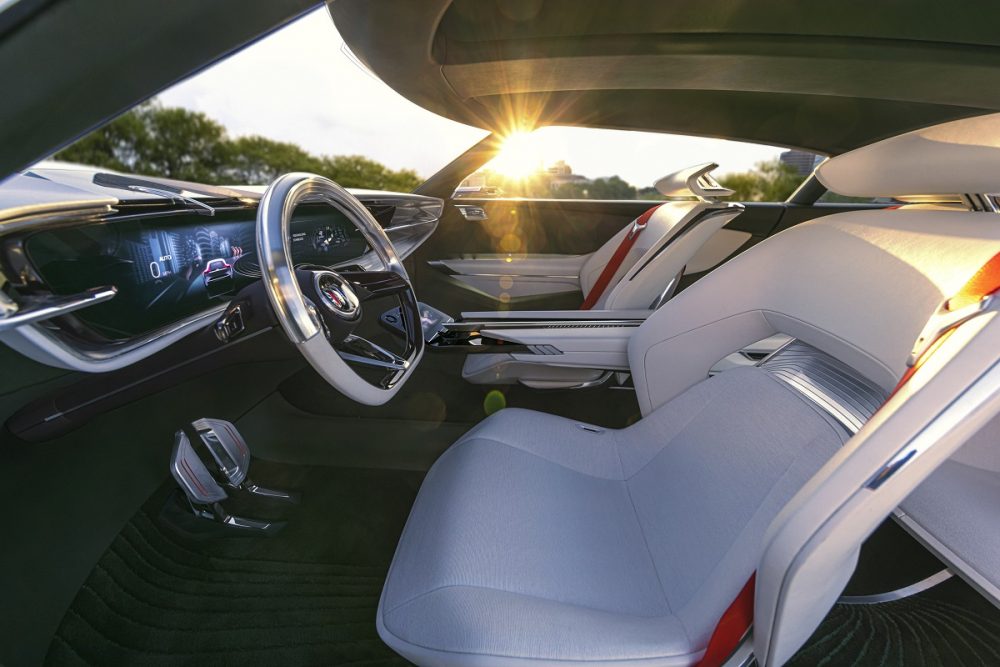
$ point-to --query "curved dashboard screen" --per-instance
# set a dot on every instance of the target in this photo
(169, 268)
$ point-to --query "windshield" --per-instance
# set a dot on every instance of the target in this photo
(294, 101)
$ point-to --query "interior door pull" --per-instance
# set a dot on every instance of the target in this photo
(471, 212)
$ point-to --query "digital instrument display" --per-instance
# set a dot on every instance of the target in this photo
(169, 268)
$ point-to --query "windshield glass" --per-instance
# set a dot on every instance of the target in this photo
(591, 163)
(294, 101)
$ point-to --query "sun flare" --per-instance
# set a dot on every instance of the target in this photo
(519, 157)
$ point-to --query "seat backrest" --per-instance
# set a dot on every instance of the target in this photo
(860, 287)
(673, 235)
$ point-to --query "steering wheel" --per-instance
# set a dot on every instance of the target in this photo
(320, 309)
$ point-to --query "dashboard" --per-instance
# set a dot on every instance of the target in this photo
(168, 268)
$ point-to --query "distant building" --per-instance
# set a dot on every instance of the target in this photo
(560, 173)
(802, 161)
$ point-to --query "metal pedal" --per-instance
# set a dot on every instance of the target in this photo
(210, 461)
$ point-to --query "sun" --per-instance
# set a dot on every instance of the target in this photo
(519, 156)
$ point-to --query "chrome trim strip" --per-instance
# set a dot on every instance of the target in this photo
(542, 324)
(47, 347)
(47, 307)
(827, 382)
(597, 382)
(979, 392)
(899, 593)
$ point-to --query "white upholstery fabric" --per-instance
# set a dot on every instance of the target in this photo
(965, 155)
(956, 509)
(858, 286)
(662, 228)
(533, 541)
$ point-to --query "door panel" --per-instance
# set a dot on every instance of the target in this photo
(506, 278)
(523, 231)
(502, 262)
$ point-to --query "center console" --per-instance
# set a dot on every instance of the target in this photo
(542, 349)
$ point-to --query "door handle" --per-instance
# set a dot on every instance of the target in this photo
(472, 212)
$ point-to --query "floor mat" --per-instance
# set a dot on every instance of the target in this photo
(949, 624)
(306, 596)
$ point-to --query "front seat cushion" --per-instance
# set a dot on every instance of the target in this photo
(536, 541)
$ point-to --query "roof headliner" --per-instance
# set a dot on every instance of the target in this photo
(826, 77)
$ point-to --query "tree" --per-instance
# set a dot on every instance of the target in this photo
(154, 140)
(255, 160)
(612, 187)
(356, 171)
(770, 181)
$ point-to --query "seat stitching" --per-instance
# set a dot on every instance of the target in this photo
(696, 655)
(652, 561)
(525, 595)
(543, 458)
(743, 530)
(682, 429)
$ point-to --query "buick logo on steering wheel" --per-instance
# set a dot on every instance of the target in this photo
(337, 295)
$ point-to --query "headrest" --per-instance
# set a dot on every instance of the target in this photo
(692, 182)
(959, 157)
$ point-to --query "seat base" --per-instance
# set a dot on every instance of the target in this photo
(540, 540)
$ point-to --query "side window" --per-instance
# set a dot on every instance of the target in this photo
(588, 163)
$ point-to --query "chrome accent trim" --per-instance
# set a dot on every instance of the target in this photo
(353, 303)
(47, 307)
(48, 347)
(544, 350)
(596, 382)
(542, 324)
(668, 291)
(53, 217)
(472, 213)
(979, 202)
(942, 321)
(381, 357)
(899, 593)
(979, 392)
(828, 383)
(743, 655)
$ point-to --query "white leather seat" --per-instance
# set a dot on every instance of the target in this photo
(536, 541)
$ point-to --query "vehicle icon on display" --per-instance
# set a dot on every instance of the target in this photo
(218, 277)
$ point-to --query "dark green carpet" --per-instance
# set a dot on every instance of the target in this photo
(307, 596)
(950, 624)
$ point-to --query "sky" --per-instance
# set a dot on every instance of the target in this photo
(300, 85)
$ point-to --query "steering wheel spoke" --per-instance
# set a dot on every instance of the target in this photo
(362, 351)
(320, 309)
(370, 285)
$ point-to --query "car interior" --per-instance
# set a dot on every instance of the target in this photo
(305, 424)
